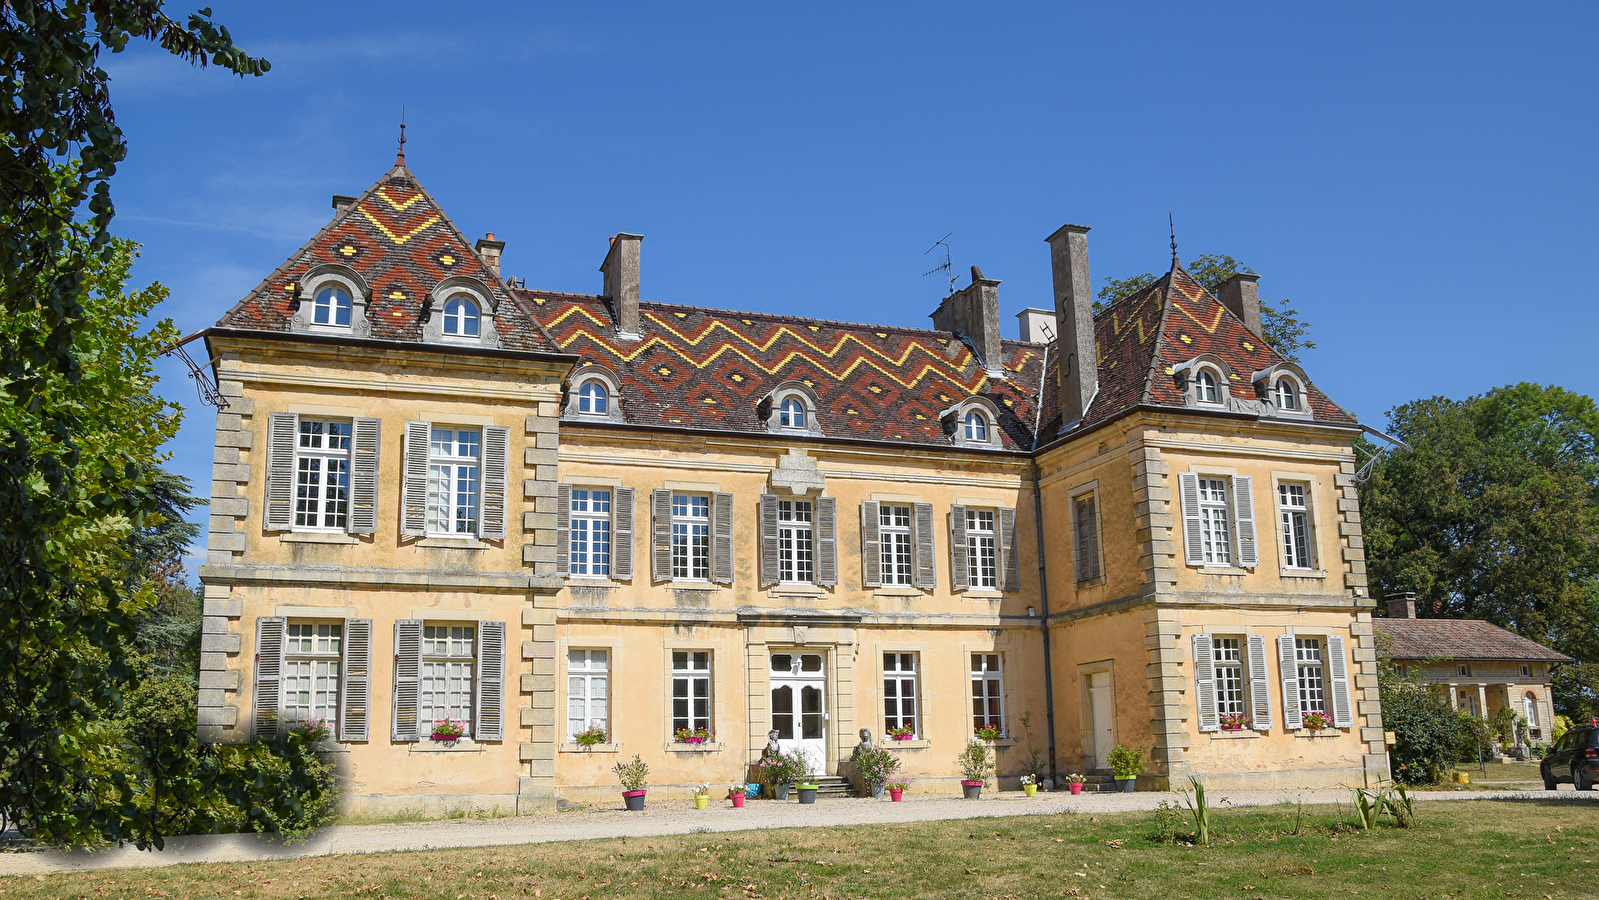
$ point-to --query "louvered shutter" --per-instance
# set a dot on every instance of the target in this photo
(366, 439)
(414, 481)
(959, 581)
(268, 674)
(1343, 714)
(622, 534)
(1193, 530)
(871, 544)
(355, 690)
(1244, 510)
(1290, 678)
(489, 723)
(826, 541)
(1205, 683)
(661, 536)
(283, 433)
(769, 558)
(922, 540)
(1087, 538)
(1009, 557)
(496, 476)
(722, 538)
(1259, 684)
(563, 530)
(407, 678)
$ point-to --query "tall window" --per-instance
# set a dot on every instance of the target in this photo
(1312, 676)
(988, 692)
(691, 536)
(899, 691)
(331, 307)
(460, 316)
(1284, 395)
(1295, 525)
(1213, 515)
(311, 672)
(791, 413)
(1229, 659)
(982, 553)
(449, 658)
(590, 551)
(588, 691)
(976, 427)
(1205, 387)
(322, 475)
(894, 530)
(1529, 709)
(691, 689)
(796, 548)
(593, 398)
(453, 483)
(1087, 527)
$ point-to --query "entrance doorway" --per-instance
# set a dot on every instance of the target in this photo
(1102, 711)
(799, 705)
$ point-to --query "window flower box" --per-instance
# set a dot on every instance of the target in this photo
(446, 730)
(1317, 721)
(903, 733)
(1234, 722)
(694, 736)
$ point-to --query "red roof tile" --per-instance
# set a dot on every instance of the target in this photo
(1460, 639)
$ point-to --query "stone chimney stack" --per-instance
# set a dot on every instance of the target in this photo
(1077, 354)
(1401, 606)
(340, 201)
(621, 283)
(490, 249)
(974, 315)
(1038, 326)
(1241, 294)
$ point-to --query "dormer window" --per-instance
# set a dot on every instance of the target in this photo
(461, 317)
(1284, 395)
(971, 423)
(1205, 387)
(791, 414)
(790, 408)
(331, 307)
(593, 393)
(460, 310)
(593, 399)
(976, 426)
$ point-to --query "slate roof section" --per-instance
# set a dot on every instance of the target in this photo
(401, 242)
(1460, 639)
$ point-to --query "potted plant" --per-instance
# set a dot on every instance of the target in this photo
(1127, 764)
(1317, 721)
(1029, 785)
(896, 790)
(875, 766)
(693, 736)
(803, 772)
(702, 796)
(976, 765)
(1234, 722)
(773, 772)
(807, 791)
(448, 730)
(902, 733)
(1075, 782)
(737, 793)
(633, 777)
(988, 732)
(594, 735)
(314, 729)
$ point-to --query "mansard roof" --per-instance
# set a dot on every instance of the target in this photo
(398, 239)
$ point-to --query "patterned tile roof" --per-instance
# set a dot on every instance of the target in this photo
(399, 240)
(1460, 639)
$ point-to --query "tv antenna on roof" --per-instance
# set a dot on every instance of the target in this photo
(946, 267)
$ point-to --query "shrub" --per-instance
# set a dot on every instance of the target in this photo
(1473, 738)
(1127, 763)
(633, 775)
(1424, 727)
(976, 761)
(876, 764)
(1561, 726)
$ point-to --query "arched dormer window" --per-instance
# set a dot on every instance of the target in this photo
(330, 299)
(976, 426)
(593, 398)
(331, 307)
(461, 316)
(790, 409)
(1205, 389)
(593, 393)
(791, 414)
(1285, 395)
(972, 423)
(460, 310)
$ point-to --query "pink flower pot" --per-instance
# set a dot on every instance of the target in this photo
(634, 799)
(738, 801)
(904, 737)
(894, 794)
(1077, 787)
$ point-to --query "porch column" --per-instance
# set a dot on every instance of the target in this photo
(1482, 701)
(1454, 696)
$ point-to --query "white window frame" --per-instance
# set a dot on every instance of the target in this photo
(1230, 664)
(1310, 668)
(1529, 708)
(1216, 519)
(1217, 385)
(460, 320)
(333, 290)
(691, 537)
(449, 652)
(450, 468)
(982, 549)
(895, 525)
(791, 413)
(588, 689)
(988, 690)
(312, 659)
(1463, 670)
(589, 531)
(593, 398)
(314, 458)
(1287, 389)
(896, 678)
(796, 542)
(976, 427)
(691, 672)
(1295, 527)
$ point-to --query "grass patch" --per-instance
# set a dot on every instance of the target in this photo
(1459, 851)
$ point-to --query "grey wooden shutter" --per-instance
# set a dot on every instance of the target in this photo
(1087, 537)
(1259, 684)
(1343, 715)
(959, 580)
(283, 434)
(563, 530)
(1244, 510)
(1205, 683)
(414, 480)
(366, 439)
(496, 475)
(827, 541)
(622, 534)
(1290, 678)
(661, 536)
(769, 560)
(407, 678)
(355, 690)
(489, 723)
(722, 538)
(268, 674)
(1008, 555)
(1193, 531)
(922, 541)
(871, 544)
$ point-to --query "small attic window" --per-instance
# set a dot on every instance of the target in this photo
(791, 414)
(461, 316)
(791, 409)
(1205, 389)
(593, 398)
(976, 426)
(460, 310)
(971, 423)
(331, 307)
(1285, 394)
(593, 393)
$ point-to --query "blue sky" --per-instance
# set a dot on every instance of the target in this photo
(1418, 179)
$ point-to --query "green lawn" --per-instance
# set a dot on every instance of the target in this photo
(1534, 849)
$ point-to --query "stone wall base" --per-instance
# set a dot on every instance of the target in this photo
(1282, 780)
(430, 806)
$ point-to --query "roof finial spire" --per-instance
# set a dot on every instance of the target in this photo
(1172, 225)
(399, 158)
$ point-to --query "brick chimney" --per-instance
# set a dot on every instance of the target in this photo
(974, 315)
(490, 249)
(1241, 294)
(621, 284)
(1078, 355)
(1401, 606)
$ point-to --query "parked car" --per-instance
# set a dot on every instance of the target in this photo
(1575, 759)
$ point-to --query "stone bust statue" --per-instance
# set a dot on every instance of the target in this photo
(772, 747)
(865, 744)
